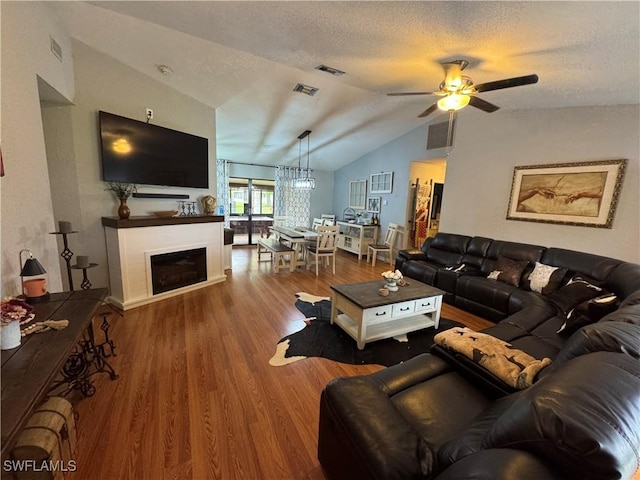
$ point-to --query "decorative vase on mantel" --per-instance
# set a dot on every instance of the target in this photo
(123, 209)
(122, 191)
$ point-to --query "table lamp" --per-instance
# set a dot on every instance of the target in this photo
(34, 289)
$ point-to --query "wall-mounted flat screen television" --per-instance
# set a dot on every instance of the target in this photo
(143, 153)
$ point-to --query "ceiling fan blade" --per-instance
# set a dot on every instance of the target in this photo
(429, 111)
(409, 93)
(507, 83)
(483, 104)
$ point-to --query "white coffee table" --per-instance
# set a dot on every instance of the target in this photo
(367, 316)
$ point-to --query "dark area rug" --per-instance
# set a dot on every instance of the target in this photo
(321, 339)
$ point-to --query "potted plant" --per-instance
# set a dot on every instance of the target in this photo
(122, 191)
(14, 313)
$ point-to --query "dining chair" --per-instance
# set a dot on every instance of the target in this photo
(387, 246)
(324, 247)
(280, 221)
(315, 224)
(328, 216)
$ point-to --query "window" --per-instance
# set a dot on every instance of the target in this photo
(357, 194)
(239, 195)
(381, 182)
(262, 200)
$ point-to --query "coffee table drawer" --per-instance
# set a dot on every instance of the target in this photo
(377, 314)
(426, 305)
(403, 309)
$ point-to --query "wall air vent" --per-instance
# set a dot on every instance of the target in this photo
(56, 48)
(331, 70)
(311, 91)
(439, 135)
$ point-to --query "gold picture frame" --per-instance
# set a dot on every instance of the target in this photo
(581, 194)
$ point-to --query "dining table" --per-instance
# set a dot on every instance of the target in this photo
(296, 237)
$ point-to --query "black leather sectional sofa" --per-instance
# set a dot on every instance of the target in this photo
(526, 319)
(442, 416)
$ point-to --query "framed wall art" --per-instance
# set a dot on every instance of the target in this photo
(357, 194)
(373, 204)
(381, 182)
(582, 194)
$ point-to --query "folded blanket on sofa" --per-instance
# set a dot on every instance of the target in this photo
(514, 367)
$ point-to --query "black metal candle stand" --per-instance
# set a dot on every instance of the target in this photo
(67, 254)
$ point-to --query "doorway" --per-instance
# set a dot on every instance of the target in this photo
(425, 201)
(251, 208)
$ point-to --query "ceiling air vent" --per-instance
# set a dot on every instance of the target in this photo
(331, 70)
(307, 89)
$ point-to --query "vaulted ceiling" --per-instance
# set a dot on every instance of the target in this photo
(244, 59)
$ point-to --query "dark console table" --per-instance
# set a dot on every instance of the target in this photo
(29, 370)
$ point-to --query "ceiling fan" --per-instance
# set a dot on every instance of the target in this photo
(458, 91)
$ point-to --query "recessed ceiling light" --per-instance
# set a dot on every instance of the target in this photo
(306, 89)
(163, 69)
(331, 70)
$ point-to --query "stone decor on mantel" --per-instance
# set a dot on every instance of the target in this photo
(131, 243)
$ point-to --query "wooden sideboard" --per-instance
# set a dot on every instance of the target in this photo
(29, 370)
(356, 238)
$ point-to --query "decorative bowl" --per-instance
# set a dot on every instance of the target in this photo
(165, 213)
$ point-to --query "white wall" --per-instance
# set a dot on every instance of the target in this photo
(480, 172)
(27, 211)
(487, 147)
(72, 134)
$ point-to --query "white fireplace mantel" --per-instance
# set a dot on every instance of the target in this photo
(131, 243)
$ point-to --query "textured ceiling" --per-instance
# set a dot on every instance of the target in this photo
(244, 58)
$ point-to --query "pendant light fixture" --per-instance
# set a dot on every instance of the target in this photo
(304, 181)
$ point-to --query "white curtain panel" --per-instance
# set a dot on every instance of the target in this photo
(222, 187)
(293, 203)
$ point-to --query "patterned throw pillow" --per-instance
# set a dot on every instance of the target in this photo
(576, 291)
(508, 270)
(588, 312)
(545, 279)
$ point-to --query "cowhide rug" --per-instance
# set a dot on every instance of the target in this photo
(321, 339)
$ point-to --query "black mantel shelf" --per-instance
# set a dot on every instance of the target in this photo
(151, 221)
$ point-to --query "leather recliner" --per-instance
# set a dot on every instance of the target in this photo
(425, 419)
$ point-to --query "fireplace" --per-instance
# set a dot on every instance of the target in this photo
(173, 270)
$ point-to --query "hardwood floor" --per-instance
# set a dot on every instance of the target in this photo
(196, 397)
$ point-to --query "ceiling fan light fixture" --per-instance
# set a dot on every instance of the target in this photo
(453, 101)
